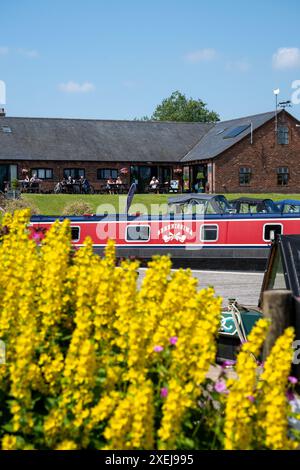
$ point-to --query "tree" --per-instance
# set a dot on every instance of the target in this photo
(179, 108)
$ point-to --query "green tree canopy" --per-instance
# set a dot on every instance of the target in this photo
(180, 108)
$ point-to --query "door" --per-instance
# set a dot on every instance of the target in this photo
(144, 178)
(141, 175)
(4, 175)
(164, 174)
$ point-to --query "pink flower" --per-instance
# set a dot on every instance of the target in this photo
(158, 348)
(173, 340)
(292, 379)
(220, 386)
(164, 392)
(37, 237)
(228, 364)
(251, 398)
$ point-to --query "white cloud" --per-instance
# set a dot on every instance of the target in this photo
(239, 65)
(31, 53)
(201, 55)
(74, 87)
(286, 58)
(3, 50)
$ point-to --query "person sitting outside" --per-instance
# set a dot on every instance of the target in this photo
(33, 179)
(25, 183)
(34, 183)
(69, 184)
(154, 184)
(85, 185)
(109, 185)
(119, 183)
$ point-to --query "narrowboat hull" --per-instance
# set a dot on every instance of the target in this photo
(240, 239)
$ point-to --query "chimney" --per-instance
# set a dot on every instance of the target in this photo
(2, 112)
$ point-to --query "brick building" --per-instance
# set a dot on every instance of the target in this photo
(241, 155)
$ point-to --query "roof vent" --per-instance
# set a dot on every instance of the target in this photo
(2, 112)
(6, 129)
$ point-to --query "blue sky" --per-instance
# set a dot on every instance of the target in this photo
(118, 59)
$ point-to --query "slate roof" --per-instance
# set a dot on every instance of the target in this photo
(213, 143)
(51, 139)
(95, 140)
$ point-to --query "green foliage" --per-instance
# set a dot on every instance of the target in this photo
(14, 184)
(12, 205)
(78, 208)
(180, 108)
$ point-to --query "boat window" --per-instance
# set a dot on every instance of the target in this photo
(75, 231)
(291, 209)
(209, 233)
(210, 209)
(225, 206)
(137, 233)
(271, 206)
(271, 231)
(194, 208)
(246, 208)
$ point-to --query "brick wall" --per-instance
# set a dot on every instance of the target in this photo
(89, 167)
(58, 170)
(263, 157)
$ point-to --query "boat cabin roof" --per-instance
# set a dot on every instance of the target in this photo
(294, 202)
(190, 198)
(250, 200)
(254, 205)
(200, 204)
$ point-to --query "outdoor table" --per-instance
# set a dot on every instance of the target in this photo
(76, 188)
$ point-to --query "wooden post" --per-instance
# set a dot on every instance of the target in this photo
(277, 306)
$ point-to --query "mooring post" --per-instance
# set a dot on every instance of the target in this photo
(278, 307)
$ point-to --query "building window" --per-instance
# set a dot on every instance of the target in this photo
(75, 173)
(106, 173)
(283, 135)
(245, 176)
(283, 176)
(43, 173)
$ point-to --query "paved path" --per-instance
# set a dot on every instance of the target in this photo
(245, 287)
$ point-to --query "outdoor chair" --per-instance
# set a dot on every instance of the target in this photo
(34, 188)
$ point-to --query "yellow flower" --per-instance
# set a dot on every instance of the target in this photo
(240, 404)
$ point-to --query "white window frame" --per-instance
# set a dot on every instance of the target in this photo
(274, 223)
(138, 225)
(79, 232)
(202, 230)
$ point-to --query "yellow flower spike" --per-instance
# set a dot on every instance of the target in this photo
(80, 337)
(240, 405)
(273, 406)
(110, 253)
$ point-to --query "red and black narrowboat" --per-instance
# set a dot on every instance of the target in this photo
(196, 227)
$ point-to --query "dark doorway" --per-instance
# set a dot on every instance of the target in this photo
(141, 175)
(164, 174)
(4, 175)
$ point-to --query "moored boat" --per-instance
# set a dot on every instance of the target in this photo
(196, 227)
